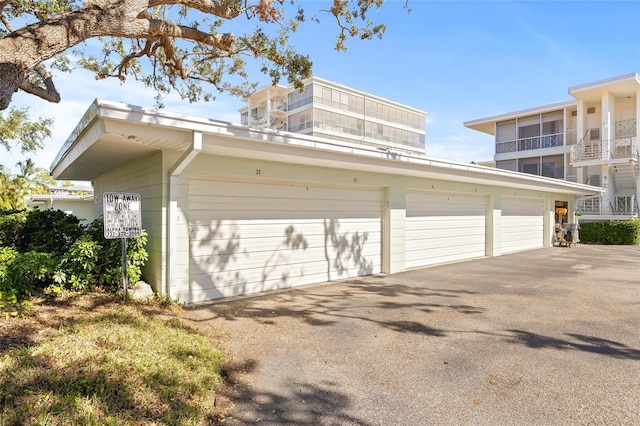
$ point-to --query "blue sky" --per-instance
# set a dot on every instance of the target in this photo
(456, 60)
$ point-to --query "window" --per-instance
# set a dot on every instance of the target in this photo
(506, 131)
(532, 169)
(507, 165)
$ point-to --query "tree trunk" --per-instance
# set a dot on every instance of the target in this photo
(11, 75)
(24, 49)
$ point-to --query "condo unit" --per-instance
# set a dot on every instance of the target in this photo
(591, 139)
(333, 111)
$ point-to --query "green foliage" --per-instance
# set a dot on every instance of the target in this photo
(192, 48)
(31, 270)
(78, 265)
(22, 273)
(8, 294)
(11, 223)
(51, 249)
(14, 189)
(109, 262)
(18, 129)
(611, 232)
(52, 231)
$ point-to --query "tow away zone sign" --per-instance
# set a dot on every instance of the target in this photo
(122, 217)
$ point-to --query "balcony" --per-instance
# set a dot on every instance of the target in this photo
(526, 144)
(624, 148)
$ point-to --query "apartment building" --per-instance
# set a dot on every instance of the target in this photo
(590, 139)
(333, 111)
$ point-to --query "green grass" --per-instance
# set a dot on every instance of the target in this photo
(112, 365)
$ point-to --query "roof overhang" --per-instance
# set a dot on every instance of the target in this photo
(621, 87)
(487, 124)
(112, 134)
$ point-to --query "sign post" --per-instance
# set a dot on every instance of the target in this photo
(122, 219)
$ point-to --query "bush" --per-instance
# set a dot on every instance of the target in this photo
(11, 224)
(611, 232)
(22, 273)
(8, 294)
(78, 265)
(49, 248)
(109, 262)
(51, 231)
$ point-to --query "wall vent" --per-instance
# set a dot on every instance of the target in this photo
(591, 110)
(574, 113)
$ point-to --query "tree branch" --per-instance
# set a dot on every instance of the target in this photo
(214, 7)
(48, 93)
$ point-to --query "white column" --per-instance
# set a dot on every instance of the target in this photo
(172, 209)
(549, 222)
(267, 114)
(493, 217)
(580, 122)
(637, 146)
(580, 131)
(606, 130)
(394, 230)
(607, 185)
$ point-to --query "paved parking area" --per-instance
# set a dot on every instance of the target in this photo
(544, 337)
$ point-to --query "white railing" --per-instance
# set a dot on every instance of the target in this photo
(592, 205)
(278, 106)
(620, 206)
(526, 144)
(625, 128)
(626, 147)
(625, 205)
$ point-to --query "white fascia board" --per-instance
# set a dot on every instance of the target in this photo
(521, 113)
(605, 82)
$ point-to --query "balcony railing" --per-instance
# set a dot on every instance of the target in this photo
(526, 144)
(619, 206)
(625, 128)
(626, 147)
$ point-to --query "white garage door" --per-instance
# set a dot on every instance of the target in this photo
(522, 226)
(247, 237)
(444, 228)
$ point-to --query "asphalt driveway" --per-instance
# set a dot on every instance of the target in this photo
(544, 337)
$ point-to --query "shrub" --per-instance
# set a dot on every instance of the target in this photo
(22, 273)
(51, 231)
(49, 248)
(611, 232)
(109, 262)
(11, 224)
(78, 265)
(8, 294)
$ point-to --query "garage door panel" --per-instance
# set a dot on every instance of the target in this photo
(522, 224)
(271, 237)
(248, 237)
(237, 285)
(207, 261)
(444, 228)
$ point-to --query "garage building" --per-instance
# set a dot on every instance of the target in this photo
(233, 210)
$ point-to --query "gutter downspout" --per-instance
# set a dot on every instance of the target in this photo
(172, 211)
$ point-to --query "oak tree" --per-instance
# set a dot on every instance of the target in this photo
(183, 46)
